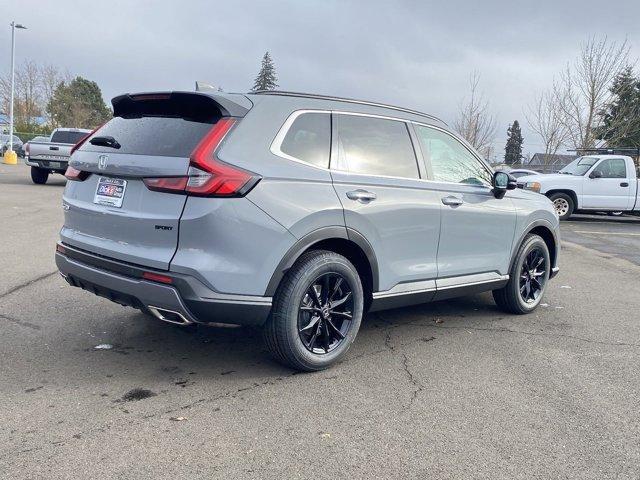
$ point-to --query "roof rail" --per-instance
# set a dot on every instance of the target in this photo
(343, 99)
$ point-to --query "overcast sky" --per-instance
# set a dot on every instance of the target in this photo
(417, 54)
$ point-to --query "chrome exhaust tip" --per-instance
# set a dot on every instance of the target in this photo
(170, 316)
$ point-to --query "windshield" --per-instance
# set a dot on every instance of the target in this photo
(579, 166)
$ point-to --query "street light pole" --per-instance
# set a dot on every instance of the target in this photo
(10, 156)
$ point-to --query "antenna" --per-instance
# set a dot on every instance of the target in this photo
(202, 86)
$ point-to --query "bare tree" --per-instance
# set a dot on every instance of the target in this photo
(582, 89)
(474, 122)
(33, 88)
(50, 78)
(545, 117)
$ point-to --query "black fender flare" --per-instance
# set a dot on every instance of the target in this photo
(314, 237)
(527, 231)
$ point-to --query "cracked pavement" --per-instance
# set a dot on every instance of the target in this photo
(452, 389)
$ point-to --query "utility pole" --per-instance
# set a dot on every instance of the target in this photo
(10, 156)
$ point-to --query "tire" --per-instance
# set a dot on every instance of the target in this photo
(39, 175)
(297, 314)
(511, 298)
(563, 205)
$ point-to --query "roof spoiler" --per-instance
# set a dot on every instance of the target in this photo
(198, 106)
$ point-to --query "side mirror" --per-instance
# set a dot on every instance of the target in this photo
(595, 174)
(503, 181)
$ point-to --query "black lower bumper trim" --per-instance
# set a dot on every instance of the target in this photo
(179, 297)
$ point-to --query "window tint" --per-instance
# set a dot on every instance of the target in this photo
(309, 139)
(375, 146)
(68, 137)
(160, 136)
(450, 160)
(612, 168)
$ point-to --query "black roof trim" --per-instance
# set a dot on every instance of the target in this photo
(349, 100)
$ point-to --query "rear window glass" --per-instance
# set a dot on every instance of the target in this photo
(68, 137)
(309, 139)
(159, 136)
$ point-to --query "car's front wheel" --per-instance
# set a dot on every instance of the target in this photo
(39, 175)
(528, 277)
(316, 312)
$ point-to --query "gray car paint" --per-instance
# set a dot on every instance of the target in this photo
(235, 246)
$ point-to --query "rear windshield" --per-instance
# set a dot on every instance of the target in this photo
(158, 136)
(63, 136)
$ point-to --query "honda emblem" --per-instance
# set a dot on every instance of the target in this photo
(102, 161)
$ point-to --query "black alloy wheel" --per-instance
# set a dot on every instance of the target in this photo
(533, 275)
(326, 313)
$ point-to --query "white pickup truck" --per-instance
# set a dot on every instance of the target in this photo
(603, 183)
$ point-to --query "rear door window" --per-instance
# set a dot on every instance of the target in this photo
(374, 146)
(309, 139)
(157, 136)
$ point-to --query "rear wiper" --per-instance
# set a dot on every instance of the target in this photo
(105, 142)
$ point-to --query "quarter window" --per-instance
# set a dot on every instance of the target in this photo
(612, 168)
(450, 160)
(309, 139)
(374, 146)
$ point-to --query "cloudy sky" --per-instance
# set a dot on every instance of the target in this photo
(417, 54)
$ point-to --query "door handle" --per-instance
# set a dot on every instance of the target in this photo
(361, 196)
(452, 201)
(624, 184)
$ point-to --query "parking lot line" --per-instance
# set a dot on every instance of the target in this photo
(606, 233)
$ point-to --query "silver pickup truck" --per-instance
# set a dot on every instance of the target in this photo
(49, 157)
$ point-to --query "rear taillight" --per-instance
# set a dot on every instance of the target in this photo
(84, 139)
(26, 149)
(75, 174)
(208, 176)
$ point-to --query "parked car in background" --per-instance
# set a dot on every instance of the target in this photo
(521, 172)
(593, 183)
(52, 154)
(295, 212)
(17, 144)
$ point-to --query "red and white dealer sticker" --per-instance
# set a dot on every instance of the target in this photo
(110, 191)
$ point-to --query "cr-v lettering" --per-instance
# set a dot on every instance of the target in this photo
(294, 212)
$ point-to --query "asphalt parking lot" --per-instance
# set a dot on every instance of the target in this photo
(453, 389)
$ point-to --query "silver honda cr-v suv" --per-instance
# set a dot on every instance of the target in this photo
(294, 212)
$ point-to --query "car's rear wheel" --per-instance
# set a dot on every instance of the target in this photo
(563, 204)
(528, 277)
(39, 175)
(316, 312)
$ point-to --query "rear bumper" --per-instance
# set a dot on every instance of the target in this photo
(186, 300)
(55, 165)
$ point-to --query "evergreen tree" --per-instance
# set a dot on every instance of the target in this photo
(621, 116)
(78, 104)
(513, 150)
(267, 77)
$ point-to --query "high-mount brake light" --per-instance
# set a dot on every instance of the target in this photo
(208, 176)
(151, 96)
